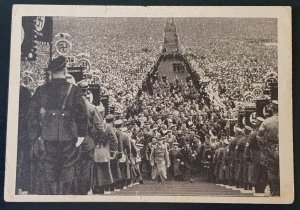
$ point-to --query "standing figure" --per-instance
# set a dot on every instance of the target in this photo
(114, 159)
(268, 139)
(86, 163)
(57, 124)
(239, 157)
(186, 161)
(159, 160)
(257, 175)
(175, 162)
(106, 144)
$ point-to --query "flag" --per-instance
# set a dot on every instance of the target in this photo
(44, 27)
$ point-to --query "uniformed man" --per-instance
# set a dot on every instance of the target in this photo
(268, 139)
(86, 163)
(186, 157)
(238, 157)
(124, 161)
(231, 156)
(114, 160)
(57, 122)
(207, 161)
(137, 165)
(175, 161)
(258, 176)
(246, 184)
(107, 143)
(159, 160)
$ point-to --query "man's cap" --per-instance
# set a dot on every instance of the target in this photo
(139, 145)
(161, 138)
(57, 64)
(248, 128)
(238, 129)
(260, 119)
(83, 84)
(124, 129)
(118, 122)
(175, 143)
(275, 102)
(109, 117)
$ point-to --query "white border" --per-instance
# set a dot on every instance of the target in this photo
(283, 14)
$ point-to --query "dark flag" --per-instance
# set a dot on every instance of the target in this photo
(104, 101)
(95, 90)
(262, 108)
(250, 116)
(44, 27)
(240, 119)
(76, 72)
(35, 29)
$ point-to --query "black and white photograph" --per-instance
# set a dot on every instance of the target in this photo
(147, 104)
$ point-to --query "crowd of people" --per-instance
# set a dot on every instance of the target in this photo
(161, 129)
(232, 55)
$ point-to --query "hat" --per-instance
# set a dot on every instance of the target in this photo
(139, 145)
(238, 129)
(118, 122)
(175, 143)
(260, 119)
(83, 84)
(226, 141)
(109, 118)
(162, 138)
(57, 64)
(248, 128)
(124, 129)
(163, 127)
(275, 104)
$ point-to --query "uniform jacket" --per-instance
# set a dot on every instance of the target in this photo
(159, 155)
(50, 96)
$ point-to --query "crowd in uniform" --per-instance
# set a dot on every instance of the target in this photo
(171, 133)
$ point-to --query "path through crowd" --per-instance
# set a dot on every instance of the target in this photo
(166, 68)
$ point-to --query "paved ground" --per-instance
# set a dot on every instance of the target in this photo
(182, 188)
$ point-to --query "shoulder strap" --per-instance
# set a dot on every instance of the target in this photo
(104, 128)
(66, 98)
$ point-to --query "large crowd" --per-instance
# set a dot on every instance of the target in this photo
(171, 129)
(232, 55)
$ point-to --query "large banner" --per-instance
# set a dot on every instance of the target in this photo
(44, 28)
(35, 29)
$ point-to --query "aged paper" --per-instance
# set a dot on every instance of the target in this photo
(76, 26)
